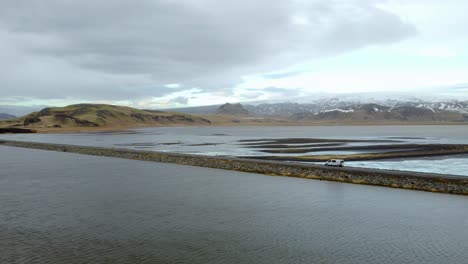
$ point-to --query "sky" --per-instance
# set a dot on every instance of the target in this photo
(175, 53)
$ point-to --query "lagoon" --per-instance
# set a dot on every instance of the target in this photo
(62, 207)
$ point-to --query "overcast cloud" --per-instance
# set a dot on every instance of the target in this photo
(118, 50)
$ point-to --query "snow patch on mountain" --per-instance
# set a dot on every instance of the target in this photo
(338, 110)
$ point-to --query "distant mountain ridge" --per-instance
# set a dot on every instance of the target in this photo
(4, 116)
(289, 109)
(16, 110)
(379, 113)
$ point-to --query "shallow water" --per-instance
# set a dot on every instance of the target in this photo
(224, 141)
(455, 165)
(70, 208)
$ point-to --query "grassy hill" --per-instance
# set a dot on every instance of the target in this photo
(101, 115)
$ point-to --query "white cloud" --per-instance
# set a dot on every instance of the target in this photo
(143, 49)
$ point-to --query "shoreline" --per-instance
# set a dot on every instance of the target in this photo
(431, 182)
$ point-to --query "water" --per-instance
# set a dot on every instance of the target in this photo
(70, 208)
(455, 165)
(223, 141)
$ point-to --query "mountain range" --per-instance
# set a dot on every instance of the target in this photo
(353, 110)
(289, 109)
(332, 111)
(379, 113)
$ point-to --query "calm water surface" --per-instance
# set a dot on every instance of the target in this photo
(70, 208)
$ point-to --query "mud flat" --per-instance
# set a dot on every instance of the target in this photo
(366, 150)
(385, 154)
(274, 141)
(397, 179)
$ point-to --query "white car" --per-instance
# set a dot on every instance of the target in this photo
(335, 162)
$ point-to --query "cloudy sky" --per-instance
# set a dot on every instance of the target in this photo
(170, 53)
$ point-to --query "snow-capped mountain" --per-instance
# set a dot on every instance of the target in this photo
(336, 104)
(379, 113)
(461, 107)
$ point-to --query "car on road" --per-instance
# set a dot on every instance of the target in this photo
(335, 162)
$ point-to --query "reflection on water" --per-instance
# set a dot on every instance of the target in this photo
(70, 208)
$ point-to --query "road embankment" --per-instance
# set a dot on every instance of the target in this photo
(396, 179)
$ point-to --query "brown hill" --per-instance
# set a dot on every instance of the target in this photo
(232, 109)
(101, 115)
